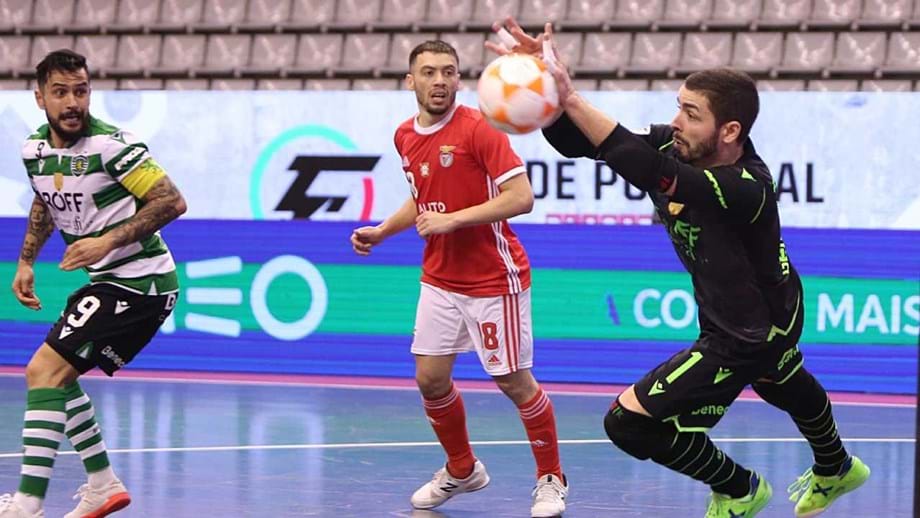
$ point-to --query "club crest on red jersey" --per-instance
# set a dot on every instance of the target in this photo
(447, 155)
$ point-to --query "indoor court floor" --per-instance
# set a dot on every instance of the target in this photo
(336, 447)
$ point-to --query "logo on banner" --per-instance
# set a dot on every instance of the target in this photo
(313, 193)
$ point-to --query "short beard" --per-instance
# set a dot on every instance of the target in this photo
(704, 150)
(436, 111)
(69, 136)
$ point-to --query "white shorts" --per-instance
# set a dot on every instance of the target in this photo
(498, 328)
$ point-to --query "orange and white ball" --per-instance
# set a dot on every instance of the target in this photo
(517, 94)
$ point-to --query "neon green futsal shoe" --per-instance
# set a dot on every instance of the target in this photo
(815, 493)
(724, 506)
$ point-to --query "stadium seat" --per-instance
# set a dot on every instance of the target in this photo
(227, 54)
(781, 85)
(105, 84)
(364, 53)
(784, 13)
(655, 52)
(100, 51)
(705, 50)
(623, 85)
(51, 15)
(487, 11)
(95, 15)
(637, 13)
(222, 14)
(833, 85)
(140, 84)
(316, 52)
(535, 12)
(15, 14)
(586, 15)
(757, 52)
(176, 15)
(401, 46)
(375, 84)
(327, 84)
(903, 53)
(665, 85)
(14, 55)
(807, 51)
(42, 45)
(13, 84)
(310, 14)
(181, 54)
(885, 85)
(686, 14)
(736, 14)
(401, 14)
(446, 15)
(272, 53)
(265, 14)
(133, 15)
(279, 84)
(186, 84)
(469, 47)
(354, 15)
(859, 52)
(233, 84)
(605, 52)
(136, 53)
(884, 13)
(569, 45)
(834, 14)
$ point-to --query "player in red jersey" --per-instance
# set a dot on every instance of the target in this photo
(465, 183)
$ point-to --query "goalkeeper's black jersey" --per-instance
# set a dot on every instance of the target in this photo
(723, 223)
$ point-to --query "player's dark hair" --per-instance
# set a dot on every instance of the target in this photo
(63, 60)
(433, 46)
(732, 96)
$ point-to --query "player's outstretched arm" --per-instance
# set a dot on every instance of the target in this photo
(365, 238)
(162, 203)
(40, 227)
(515, 197)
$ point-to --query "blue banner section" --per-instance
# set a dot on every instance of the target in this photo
(882, 254)
(872, 368)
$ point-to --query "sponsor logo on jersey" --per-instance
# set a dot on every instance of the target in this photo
(109, 353)
(405, 162)
(58, 181)
(424, 169)
(447, 156)
(494, 360)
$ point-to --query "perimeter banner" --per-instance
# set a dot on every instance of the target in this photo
(329, 156)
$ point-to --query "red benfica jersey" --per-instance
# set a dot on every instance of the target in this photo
(454, 164)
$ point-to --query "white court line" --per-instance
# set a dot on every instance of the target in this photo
(429, 444)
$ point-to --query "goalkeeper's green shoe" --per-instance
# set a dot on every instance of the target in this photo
(724, 506)
(813, 494)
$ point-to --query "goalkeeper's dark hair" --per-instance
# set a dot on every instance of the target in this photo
(732, 96)
(435, 47)
(63, 60)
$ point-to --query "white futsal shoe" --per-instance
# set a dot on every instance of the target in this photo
(549, 497)
(443, 486)
(10, 509)
(99, 502)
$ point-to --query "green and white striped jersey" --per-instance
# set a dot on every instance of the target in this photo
(88, 190)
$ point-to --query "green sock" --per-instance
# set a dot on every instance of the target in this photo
(41, 437)
(83, 431)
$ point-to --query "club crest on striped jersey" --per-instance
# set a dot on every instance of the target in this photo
(447, 156)
(78, 165)
(424, 169)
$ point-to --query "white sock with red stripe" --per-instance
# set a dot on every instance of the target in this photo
(448, 418)
(540, 423)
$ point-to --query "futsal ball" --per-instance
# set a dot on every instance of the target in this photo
(517, 94)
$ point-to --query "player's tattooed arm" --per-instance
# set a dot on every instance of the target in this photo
(40, 227)
(162, 204)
